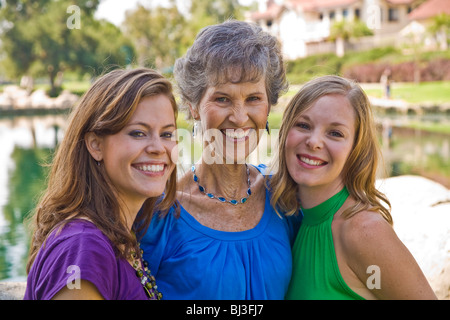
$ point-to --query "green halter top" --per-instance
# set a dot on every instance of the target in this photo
(315, 272)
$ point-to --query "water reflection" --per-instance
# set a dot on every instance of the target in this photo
(414, 151)
(27, 143)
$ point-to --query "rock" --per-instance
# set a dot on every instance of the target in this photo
(421, 214)
(15, 92)
(5, 101)
(66, 100)
(22, 102)
(12, 290)
(40, 99)
(14, 97)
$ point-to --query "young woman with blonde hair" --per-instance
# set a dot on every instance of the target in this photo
(346, 247)
(115, 158)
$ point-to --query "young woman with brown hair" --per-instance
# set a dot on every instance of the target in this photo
(115, 158)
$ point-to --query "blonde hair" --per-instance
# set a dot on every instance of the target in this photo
(77, 186)
(359, 172)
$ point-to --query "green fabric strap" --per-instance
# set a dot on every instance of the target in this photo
(326, 209)
(315, 273)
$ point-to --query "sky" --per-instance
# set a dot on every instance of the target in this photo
(114, 10)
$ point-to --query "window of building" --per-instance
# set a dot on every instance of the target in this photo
(393, 14)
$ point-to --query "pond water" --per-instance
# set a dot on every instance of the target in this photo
(27, 143)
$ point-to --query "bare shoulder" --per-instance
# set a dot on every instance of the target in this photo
(367, 228)
(369, 240)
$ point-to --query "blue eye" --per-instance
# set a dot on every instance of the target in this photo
(254, 98)
(222, 99)
(303, 125)
(336, 134)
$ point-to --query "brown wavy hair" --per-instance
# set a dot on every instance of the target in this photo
(359, 172)
(77, 186)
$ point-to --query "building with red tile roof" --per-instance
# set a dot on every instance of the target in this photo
(303, 26)
(430, 9)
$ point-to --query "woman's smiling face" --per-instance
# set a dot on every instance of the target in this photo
(137, 159)
(318, 145)
(234, 113)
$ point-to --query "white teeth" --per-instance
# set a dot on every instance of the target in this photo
(311, 161)
(152, 168)
(236, 134)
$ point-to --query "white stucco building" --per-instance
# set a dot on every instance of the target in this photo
(303, 26)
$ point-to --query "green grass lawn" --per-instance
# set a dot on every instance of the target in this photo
(432, 92)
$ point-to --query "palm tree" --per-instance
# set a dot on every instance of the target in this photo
(440, 27)
(342, 31)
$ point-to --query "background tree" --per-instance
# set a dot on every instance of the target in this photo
(38, 40)
(440, 27)
(162, 34)
(206, 12)
(342, 31)
(158, 34)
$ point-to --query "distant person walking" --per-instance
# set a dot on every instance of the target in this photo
(385, 81)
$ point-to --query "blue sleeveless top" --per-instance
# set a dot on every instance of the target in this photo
(192, 261)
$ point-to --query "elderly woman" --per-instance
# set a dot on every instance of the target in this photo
(228, 242)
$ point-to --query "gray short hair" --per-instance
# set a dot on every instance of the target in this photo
(222, 51)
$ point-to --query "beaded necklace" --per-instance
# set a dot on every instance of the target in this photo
(147, 279)
(222, 199)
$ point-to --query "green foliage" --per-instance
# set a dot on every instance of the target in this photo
(207, 12)
(439, 23)
(158, 35)
(37, 39)
(302, 70)
(349, 29)
(163, 34)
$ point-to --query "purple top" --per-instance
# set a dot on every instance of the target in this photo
(81, 251)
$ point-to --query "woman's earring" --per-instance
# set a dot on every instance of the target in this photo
(267, 127)
(195, 129)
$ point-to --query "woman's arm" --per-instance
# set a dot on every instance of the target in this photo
(371, 242)
(87, 291)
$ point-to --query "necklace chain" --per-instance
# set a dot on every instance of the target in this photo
(223, 199)
(146, 278)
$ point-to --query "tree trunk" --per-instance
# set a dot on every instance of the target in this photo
(52, 76)
(340, 47)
